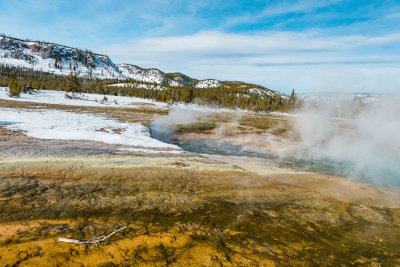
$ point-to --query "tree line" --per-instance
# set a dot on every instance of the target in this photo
(229, 95)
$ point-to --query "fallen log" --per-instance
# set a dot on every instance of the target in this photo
(94, 241)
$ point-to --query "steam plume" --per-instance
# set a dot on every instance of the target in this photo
(359, 140)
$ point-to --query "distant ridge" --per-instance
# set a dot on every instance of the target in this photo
(62, 60)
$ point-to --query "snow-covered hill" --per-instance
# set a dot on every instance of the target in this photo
(62, 60)
(57, 59)
(208, 83)
(158, 77)
(143, 75)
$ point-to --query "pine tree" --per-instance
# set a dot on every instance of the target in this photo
(292, 99)
(72, 84)
(187, 95)
(14, 88)
(36, 85)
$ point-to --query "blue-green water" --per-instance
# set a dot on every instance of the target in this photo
(228, 149)
(6, 123)
(387, 174)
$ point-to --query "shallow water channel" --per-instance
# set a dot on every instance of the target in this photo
(323, 165)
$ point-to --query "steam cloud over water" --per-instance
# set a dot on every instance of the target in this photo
(359, 140)
(163, 127)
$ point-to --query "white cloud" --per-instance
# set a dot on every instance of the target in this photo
(309, 60)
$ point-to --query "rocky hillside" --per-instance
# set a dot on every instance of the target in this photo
(158, 77)
(57, 59)
(62, 60)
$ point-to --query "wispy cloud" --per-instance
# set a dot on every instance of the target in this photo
(215, 43)
(255, 56)
(305, 44)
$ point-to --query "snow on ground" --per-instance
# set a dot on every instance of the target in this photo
(210, 83)
(56, 124)
(149, 151)
(203, 108)
(58, 97)
(139, 85)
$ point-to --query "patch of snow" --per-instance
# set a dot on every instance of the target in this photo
(210, 83)
(144, 75)
(139, 85)
(202, 108)
(173, 83)
(264, 92)
(152, 151)
(154, 76)
(122, 85)
(255, 91)
(58, 97)
(56, 124)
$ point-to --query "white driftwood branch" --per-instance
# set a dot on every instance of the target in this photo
(94, 241)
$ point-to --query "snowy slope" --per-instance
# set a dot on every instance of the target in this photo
(143, 75)
(158, 77)
(57, 59)
(210, 83)
(62, 60)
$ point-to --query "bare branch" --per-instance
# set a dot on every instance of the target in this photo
(95, 241)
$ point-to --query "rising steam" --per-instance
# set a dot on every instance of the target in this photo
(163, 127)
(359, 140)
(341, 135)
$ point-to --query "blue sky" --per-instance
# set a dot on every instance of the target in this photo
(310, 45)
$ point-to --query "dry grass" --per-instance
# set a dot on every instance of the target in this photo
(236, 124)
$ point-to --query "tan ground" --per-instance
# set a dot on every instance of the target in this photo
(337, 187)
